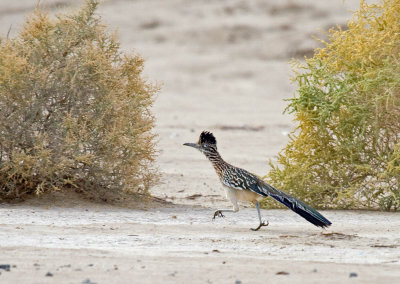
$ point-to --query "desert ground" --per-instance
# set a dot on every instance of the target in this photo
(223, 66)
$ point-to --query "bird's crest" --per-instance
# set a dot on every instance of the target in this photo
(207, 137)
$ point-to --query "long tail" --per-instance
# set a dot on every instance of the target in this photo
(305, 211)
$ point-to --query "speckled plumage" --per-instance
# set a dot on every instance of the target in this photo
(244, 186)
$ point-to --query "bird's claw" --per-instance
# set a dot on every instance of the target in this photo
(218, 213)
(262, 224)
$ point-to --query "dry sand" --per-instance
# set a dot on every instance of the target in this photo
(224, 68)
(180, 244)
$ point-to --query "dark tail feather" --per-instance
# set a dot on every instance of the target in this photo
(305, 211)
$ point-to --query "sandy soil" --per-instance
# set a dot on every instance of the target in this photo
(224, 68)
(181, 244)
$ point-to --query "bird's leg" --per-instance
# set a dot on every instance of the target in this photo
(262, 223)
(232, 197)
(218, 213)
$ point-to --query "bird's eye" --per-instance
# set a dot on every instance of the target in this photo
(205, 146)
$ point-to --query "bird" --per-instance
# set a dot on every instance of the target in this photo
(241, 185)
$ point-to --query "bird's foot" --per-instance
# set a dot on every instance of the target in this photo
(218, 213)
(262, 224)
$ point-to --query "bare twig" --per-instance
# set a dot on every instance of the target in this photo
(9, 30)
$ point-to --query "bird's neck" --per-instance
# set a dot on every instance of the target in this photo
(216, 160)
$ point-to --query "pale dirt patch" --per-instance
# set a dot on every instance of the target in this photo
(224, 68)
(182, 244)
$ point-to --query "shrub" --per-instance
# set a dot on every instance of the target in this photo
(345, 152)
(74, 110)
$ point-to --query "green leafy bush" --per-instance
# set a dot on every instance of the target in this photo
(345, 152)
(74, 110)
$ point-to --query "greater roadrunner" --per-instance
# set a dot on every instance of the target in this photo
(241, 185)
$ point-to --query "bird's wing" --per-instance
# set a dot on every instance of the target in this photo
(243, 180)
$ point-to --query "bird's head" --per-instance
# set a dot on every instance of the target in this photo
(206, 144)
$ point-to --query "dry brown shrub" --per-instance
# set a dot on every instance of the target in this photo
(74, 110)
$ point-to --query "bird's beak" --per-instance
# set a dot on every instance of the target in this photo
(194, 145)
